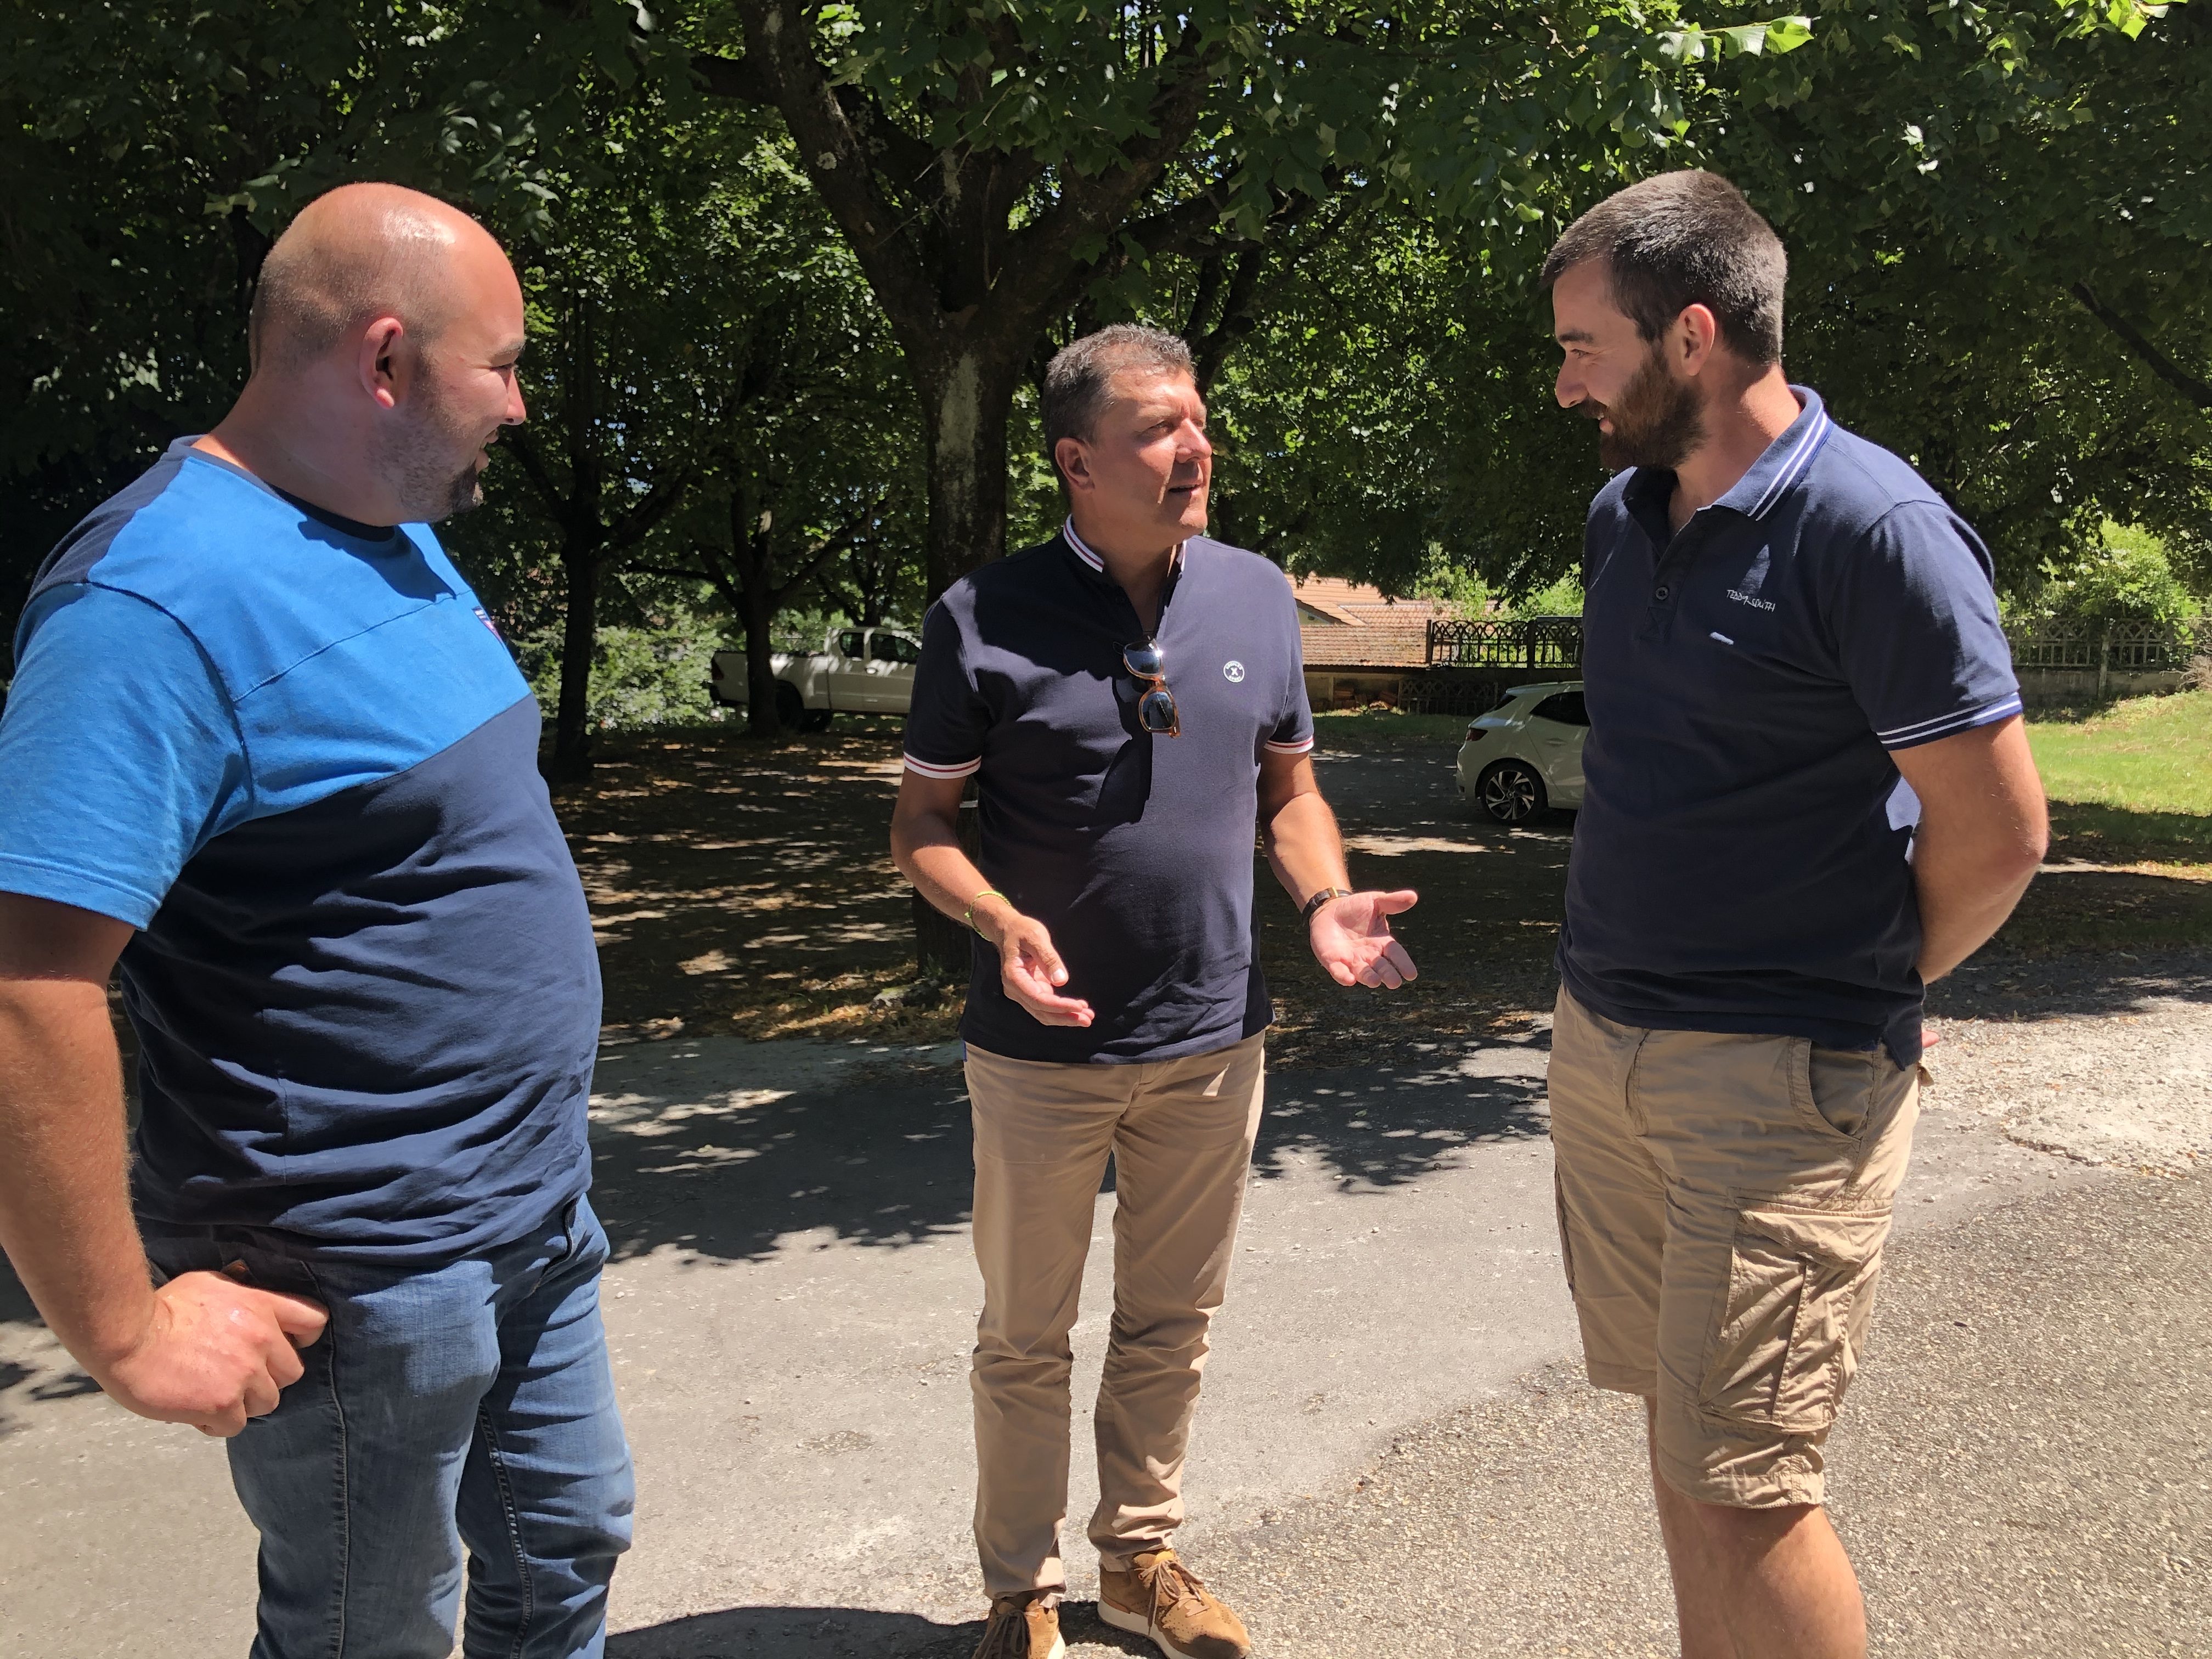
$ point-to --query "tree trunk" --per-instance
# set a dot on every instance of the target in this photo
(572, 729)
(964, 410)
(761, 718)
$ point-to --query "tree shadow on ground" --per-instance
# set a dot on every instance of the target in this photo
(713, 1146)
(2005, 984)
(835, 1632)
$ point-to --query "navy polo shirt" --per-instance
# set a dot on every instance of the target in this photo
(1742, 862)
(1135, 850)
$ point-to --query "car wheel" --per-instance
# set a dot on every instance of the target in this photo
(1511, 791)
(790, 707)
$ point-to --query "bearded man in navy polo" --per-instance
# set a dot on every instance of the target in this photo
(1807, 794)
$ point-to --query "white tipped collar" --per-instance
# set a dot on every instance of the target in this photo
(1082, 550)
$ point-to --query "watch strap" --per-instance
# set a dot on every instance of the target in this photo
(1321, 899)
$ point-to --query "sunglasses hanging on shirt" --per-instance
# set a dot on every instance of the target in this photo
(1156, 708)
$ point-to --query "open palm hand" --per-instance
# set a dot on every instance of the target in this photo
(1351, 938)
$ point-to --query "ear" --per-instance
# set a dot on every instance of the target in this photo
(385, 363)
(1074, 457)
(1696, 336)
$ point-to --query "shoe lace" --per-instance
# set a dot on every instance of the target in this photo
(1172, 1583)
(1007, 1635)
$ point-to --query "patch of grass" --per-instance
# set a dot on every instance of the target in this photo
(1364, 730)
(2130, 789)
(2147, 754)
(2131, 783)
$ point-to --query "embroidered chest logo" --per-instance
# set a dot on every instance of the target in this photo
(1753, 579)
(1233, 671)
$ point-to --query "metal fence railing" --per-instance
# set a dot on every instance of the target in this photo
(1531, 642)
(2099, 648)
(2115, 648)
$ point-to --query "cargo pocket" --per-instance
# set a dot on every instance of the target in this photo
(1800, 1299)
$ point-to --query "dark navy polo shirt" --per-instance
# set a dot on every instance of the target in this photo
(1741, 860)
(1135, 850)
(292, 753)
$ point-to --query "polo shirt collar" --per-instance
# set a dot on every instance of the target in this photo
(1780, 467)
(1082, 550)
(1785, 461)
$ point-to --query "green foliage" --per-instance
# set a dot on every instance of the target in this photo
(1947, 177)
(1459, 591)
(1480, 113)
(1562, 598)
(1395, 393)
(1947, 210)
(2125, 576)
(642, 675)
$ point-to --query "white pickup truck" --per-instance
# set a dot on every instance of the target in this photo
(857, 671)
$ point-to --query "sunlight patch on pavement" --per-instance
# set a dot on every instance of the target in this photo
(1394, 846)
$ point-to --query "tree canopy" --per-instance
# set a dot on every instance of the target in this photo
(801, 266)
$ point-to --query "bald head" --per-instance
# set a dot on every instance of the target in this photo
(359, 252)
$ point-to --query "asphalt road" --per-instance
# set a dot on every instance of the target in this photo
(1393, 1456)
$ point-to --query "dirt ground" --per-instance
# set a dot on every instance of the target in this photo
(746, 889)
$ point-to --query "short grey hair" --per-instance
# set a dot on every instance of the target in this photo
(1679, 239)
(1079, 379)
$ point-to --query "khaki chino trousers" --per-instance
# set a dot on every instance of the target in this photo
(1181, 1133)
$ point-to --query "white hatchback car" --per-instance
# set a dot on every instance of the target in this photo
(1526, 753)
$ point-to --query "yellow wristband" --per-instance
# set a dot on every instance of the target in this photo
(988, 892)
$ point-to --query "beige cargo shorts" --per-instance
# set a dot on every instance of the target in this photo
(1724, 1201)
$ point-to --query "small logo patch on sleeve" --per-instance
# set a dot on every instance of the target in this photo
(484, 617)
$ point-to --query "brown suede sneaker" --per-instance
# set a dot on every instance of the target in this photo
(1022, 1627)
(1161, 1598)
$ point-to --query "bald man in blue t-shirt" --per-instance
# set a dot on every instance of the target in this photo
(267, 754)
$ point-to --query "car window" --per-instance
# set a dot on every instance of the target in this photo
(848, 642)
(892, 647)
(1565, 707)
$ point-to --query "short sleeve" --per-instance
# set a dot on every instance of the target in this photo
(1914, 624)
(1293, 734)
(946, 720)
(120, 752)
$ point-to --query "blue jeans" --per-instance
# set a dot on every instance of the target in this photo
(471, 1403)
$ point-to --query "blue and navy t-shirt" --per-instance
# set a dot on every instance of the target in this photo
(1135, 850)
(292, 752)
(1741, 860)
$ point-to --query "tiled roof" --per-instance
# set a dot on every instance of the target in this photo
(1345, 625)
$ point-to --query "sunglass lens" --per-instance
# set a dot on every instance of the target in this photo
(1143, 660)
(1155, 712)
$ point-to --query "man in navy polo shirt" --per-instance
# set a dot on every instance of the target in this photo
(1808, 793)
(1130, 699)
(264, 749)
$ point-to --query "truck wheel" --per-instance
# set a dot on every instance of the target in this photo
(790, 708)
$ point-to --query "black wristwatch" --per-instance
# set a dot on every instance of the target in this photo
(1321, 899)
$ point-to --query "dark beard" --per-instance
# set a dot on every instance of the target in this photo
(1658, 422)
